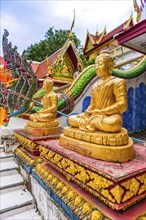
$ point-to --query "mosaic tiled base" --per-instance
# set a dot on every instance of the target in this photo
(76, 201)
(119, 185)
(27, 158)
(30, 142)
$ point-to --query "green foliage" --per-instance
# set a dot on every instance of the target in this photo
(54, 40)
(90, 62)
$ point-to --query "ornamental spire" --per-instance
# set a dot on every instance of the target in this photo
(73, 22)
(137, 9)
(102, 35)
(96, 34)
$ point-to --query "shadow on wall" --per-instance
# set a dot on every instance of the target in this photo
(86, 103)
(134, 119)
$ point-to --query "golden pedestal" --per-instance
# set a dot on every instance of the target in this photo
(116, 147)
(43, 128)
(29, 150)
(118, 185)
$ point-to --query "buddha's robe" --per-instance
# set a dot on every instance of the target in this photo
(110, 98)
(48, 113)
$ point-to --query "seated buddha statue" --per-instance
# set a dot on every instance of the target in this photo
(50, 104)
(45, 118)
(98, 131)
(108, 100)
(65, 70)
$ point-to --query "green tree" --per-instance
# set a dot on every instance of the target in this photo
(54, 40)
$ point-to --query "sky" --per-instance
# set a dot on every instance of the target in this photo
(27, 21)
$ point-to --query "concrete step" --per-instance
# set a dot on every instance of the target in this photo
(10, 183)
(11, 189)
(15, 202)
(6, 157)
(8, 166)
(13, 212)
(1, 148)
(31, 214)
(9, 172)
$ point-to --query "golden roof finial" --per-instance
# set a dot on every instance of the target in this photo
(96, 32)
(137, 9)
(102, 35)
(126, 25)
(73, 22)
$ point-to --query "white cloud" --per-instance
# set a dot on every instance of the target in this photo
(28, 21)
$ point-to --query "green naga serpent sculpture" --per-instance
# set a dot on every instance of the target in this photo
(80, 83)
(21, 92)
(17, 97)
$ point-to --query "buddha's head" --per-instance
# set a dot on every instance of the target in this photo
(104, 64)
(48, 85)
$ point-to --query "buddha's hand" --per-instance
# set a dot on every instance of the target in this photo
(87, 112)
(80, 115)
(44, 111)
(95, 112)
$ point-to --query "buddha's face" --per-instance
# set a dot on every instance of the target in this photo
(47, 86)
(102, 67)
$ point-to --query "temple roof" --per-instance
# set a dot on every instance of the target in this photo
(52, 57)
(42, 66)
(56, 56)
(102, 38)
(35, 65)
(134, 38)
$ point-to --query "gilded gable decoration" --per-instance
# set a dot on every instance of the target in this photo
(101, 36)
(130, 21)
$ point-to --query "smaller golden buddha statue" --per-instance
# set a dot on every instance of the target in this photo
(98, 131)
(45, 119)
(65, 70)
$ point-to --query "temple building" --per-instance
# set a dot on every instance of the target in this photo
(135, 37)
(86, 164)
(61, 65)
(98, 42)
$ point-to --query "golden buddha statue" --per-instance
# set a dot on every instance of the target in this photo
(100, 126)
(45, 118)
(108, 100)
(50, 104)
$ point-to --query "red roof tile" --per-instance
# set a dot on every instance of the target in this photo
(94, 38)
(53, 56)
(35, 66)
(42, 68)
(97, 38)
(111, 34)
